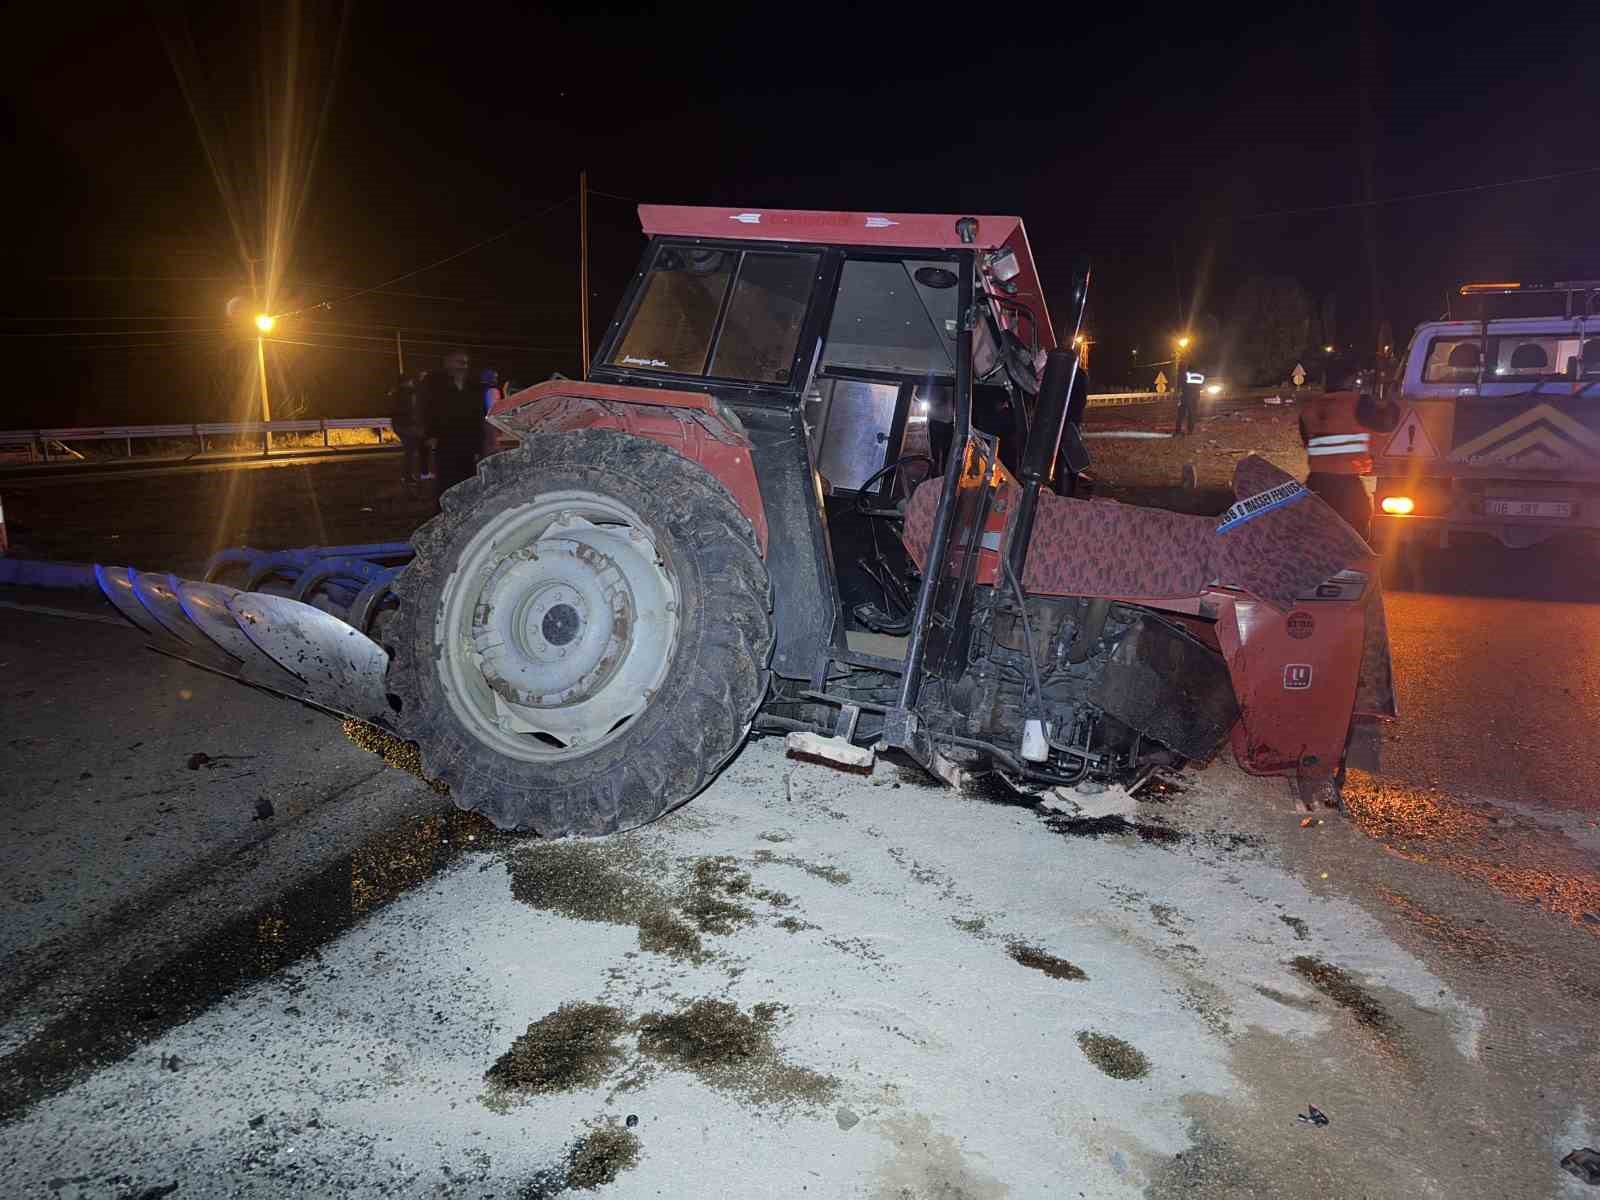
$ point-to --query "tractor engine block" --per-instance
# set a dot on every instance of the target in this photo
(1120, 686)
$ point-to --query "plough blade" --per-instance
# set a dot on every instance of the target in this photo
(339, 667)
(283, 645)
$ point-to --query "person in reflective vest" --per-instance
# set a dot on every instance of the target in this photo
(1337, 429)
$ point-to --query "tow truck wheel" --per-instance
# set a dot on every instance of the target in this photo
(584, 634)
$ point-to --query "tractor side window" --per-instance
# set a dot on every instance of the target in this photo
(676, 315)
(762, 328)
(857, 419)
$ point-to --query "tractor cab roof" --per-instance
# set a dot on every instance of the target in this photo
(1006, 261)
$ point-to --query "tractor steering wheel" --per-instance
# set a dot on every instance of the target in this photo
(865, 489)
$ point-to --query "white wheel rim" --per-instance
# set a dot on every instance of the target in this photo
(557, 626)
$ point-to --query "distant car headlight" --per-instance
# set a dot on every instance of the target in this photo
(1213, 389)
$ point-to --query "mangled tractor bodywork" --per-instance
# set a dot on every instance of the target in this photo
(820, 481)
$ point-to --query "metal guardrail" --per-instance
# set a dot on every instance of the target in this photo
(40, 441)
(1113, 399)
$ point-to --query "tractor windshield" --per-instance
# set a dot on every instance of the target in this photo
(725, 314)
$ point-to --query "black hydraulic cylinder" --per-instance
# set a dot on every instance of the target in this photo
(1044, 440)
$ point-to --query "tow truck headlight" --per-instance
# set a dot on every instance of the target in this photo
(1398, 506)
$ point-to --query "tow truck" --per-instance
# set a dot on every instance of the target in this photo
(1499, 431)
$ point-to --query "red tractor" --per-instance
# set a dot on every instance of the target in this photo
(819, 482)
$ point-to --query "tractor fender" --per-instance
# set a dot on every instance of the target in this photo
(694, 424)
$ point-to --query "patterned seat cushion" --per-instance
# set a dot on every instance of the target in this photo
(1104, 548)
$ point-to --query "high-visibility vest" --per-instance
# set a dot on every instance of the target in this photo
(1337, 443)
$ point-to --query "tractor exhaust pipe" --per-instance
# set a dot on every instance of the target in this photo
(1044, 441)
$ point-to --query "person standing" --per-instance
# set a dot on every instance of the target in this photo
(1186, 390)
(1336, 429)
(406, 418)
(453, 418)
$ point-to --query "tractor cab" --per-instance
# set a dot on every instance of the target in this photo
(850, 324)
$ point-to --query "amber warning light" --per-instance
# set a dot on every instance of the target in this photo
(1398, 506)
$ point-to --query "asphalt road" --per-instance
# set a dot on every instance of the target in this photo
(1497, 658)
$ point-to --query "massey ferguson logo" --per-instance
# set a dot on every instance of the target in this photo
(1297, 677)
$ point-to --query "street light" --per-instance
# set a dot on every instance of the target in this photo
(1183, 342)
(1327, 349)
(264, 322)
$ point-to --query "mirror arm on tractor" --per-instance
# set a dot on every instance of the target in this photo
(899, 728)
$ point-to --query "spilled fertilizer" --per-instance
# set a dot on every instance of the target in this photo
(1114, 1057)
(581, 1044)
(1038, 960)
(575, 1046)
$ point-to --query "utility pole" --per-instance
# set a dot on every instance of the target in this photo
(399, 353)
(583, 269)
(261, 359)
(266, 407)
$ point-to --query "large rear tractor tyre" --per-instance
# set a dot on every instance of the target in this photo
(584, 634)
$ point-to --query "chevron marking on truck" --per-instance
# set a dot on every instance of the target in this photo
(1542, 436)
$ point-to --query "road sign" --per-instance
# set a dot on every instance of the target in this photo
(1411, 440)
(1298, 375)
(1161, 381)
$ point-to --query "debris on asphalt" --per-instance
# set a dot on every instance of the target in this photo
(1312, 1116)
(152, 1193)
(399, 754)
(257, 1121)
(1340, 987)
(662, 932)
(575, 1046)
(591, 1162)
(170, 1062)
(212, 761)
(1302, 931)
(716, 879)
(264, 809)
(816, 870)
(633, 1119)
(1114, 1057)
(1584, 1163)
(1056, 968)
(847, 1119)
(601, 1156)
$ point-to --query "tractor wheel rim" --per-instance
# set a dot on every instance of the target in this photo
(558, 625)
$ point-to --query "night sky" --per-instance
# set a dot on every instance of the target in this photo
(1148, 141)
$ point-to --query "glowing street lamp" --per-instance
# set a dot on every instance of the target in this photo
(1327, 349)
(1183, 342)
(264, 322)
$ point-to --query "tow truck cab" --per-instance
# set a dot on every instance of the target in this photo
(1499, 429)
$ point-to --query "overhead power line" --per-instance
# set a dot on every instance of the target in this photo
(449, 258)
(79, 333)
(1455, 191)
(389, 349)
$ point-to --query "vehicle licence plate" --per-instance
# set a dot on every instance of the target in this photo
(1527, 508)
